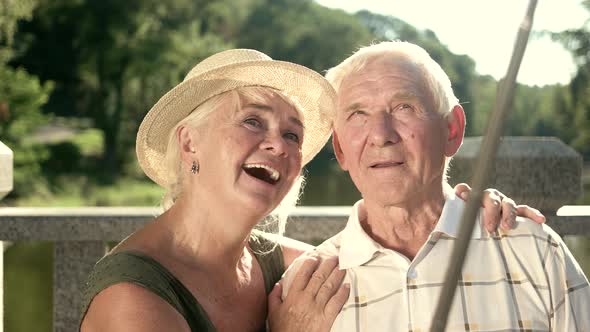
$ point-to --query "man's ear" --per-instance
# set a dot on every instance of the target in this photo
(456, 130)
(338, 151)
(187, 140)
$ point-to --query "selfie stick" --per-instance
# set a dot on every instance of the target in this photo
(483, 167)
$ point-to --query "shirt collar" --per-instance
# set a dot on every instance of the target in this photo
(357, 247)
(450, 219)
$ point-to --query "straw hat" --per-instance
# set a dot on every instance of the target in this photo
(226, 71)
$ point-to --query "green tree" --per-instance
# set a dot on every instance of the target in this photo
(115, 58)
(21, 99)
(303, 32)
(578, 42)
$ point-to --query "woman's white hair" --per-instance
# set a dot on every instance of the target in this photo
(436, 80)
(198, 119)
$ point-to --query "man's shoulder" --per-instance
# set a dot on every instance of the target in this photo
(331, 246)
(527, 227)
(328, 248)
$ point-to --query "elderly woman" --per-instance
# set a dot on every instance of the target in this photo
(228, 144)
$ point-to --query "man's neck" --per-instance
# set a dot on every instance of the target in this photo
(403, 227)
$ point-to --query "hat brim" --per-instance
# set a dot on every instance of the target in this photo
(311, 92)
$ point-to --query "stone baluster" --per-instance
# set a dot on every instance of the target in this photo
(5, 188)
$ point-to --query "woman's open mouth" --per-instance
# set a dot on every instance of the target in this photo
(262, 172)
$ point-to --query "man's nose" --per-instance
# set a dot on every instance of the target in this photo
(383, 130)
(275, 144)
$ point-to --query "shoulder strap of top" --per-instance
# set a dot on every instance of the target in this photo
(144, 271)
(270, 257)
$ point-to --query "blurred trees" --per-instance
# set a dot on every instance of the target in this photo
(21, 99)
(578, 42)
(302, 32)
(111, 60)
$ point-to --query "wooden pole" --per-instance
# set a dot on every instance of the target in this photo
(481, 174)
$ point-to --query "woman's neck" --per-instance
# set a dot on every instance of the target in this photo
(212, 239)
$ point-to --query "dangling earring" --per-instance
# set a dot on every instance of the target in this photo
(195, 168)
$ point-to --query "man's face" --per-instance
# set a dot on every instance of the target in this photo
(388, 136)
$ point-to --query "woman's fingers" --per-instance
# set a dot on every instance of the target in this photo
(304, 274)
(321, 277)
(274, 298)
(531, 213)
(462, 190)
(508, 214)
(330, 286)
(337, 301)
(492, 205)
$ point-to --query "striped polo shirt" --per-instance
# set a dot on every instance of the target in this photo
(525, 279)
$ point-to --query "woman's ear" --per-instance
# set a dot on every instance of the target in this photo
(456, 130)
(187, 140)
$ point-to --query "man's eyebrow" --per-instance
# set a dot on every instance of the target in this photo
(352, 108)
(267, 108)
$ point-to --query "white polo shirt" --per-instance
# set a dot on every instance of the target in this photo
(522, 280)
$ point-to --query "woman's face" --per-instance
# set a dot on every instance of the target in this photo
(250, 157)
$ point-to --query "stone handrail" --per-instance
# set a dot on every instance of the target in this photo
(80, 236)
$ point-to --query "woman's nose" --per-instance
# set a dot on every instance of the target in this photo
(275, 143)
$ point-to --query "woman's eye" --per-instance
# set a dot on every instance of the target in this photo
(253, 122)
(292, 136)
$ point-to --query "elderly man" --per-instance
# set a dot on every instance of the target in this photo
(398, 125)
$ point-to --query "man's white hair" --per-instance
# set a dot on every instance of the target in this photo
(437, 81)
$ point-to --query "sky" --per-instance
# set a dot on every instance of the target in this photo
(486, 30)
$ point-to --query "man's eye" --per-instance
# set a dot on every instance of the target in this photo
(405, 106)
(356, 113)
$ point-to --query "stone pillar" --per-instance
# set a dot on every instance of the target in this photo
(5, 170)
(542, 172)
(5, 188)
(72, 263)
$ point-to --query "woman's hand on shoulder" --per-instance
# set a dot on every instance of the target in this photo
(128, 307)
(499, 210)
(315, 298)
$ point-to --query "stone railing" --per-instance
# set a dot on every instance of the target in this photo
(80, 234)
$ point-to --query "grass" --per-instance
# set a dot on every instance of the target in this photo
(28, 287)
(71, 191)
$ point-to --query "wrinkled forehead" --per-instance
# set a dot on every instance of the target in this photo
(393, 78)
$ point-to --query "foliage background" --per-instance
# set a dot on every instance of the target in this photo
(77, 76)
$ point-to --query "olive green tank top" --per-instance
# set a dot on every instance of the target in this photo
(144, 271)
